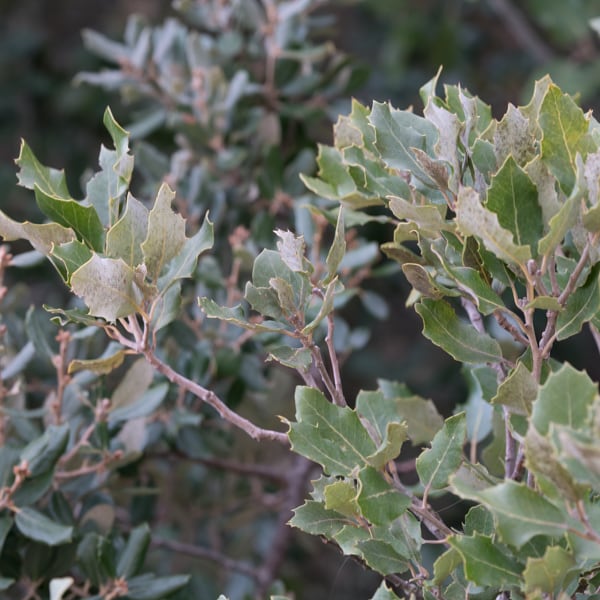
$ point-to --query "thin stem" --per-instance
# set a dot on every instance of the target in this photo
(208, 396)
(63, 378)
(570, 287)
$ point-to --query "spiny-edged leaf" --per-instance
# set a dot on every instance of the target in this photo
(379, 502)
(184, 264)
(42, 453)
(542, 460)
(105, 189)
(384, 593)
(355, 129)
(133, 554)
(108, 287)
(337, 249)
(565, 134)
(514, 137)
(436, 464)
(484, 563)
(331, 435)
(166, 233)
(124, 239)
(428, 217)
(564, 399)
(517, 391)
(520, 512)
(474, 219)
(69, 257)
(396, 133)
(36, 526)
(236, 316)
(550, 572)
(312, 517)
(32, 173)
(514, 198)
(340, 496)
(83, 220)
(442, 326)
(334, 180)
(101, 366)
(581, 306)
(41, 237)
(382, 557)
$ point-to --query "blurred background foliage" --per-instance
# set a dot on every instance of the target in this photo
(495, 48)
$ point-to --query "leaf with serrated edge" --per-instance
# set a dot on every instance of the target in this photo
(379, 502)
(340, 496)
(291, 249)
(442, 326)
(548, 573)
(382, 557)
(32, 173)
(484, 563)
(166, 233)
(436, 464)
(474, 219)
(564, 399)
(108, 287)
(520, 512)
(331, 435)
(312, 517)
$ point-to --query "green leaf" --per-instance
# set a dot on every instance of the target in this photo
(336, 250)
(184, 264)
(520, 512)
(565, 134)
(32, 173)
(38, 527)
(514, 137)
(471, 282)
(476, 220)
(143, 406)
(397, 132)
(108, 287)
(291, 249)
(379, 502)
(421, 281)
(236, 316)
(100, 366)
(295, 358)
(166, 234)
(436, 464)
(6, 522)
(420, 415)
(548, 573)
(442, 326)
(124, 239)
(95, 556)
(133, 554)
(517, 391)
(445, 565)
(389, 448)
(83, 220)
(327, 305)
(581, 306)
(559, 225)
(340, 496)
(41, 237)
(484, 563)
(384, 593)
(514, 198)
(382, 557)
(564, 399)
(149, 587)
(312, 517)
(69, 257)
(42, 453)
(428, 217)
(330, 435)
(105, 189)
